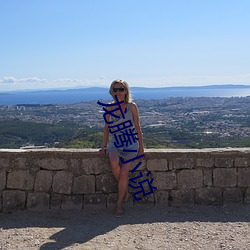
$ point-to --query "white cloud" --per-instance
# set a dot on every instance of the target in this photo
(8, 80)
(11, 83)
(12, 80)
(32, 80)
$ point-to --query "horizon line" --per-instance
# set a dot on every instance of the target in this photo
(131, 87)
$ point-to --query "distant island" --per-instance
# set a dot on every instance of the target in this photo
(77, 95)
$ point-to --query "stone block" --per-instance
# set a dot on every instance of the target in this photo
(161, 198)
(62, 182)
(5, 164)
(72, 202)
(242, 162)
(95, 165)
(56, 201)
(38, 201)
(13, 200)
(2, 180)
(21, 162)
(244, 177)
(183, 163)
(205, 162)
(52, 163)
(75, 166)
(181, 197)
(1, 201)
(94, 201)
(84, 184)
(208, 177)
(192, 178)
(142, 165)
(106, 183)
(164, 180)
(157, 165)
(144, 200)
(232, 195)
(225, 177)
(140, 181)
(20, 179)
(224, 162)
(111, 200)
(43, 181)
(208, 196)
(247, 196)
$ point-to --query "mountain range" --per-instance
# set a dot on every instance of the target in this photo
(75, 95)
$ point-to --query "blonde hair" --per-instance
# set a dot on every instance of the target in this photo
(128, 97)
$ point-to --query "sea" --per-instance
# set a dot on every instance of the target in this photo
(72, 96)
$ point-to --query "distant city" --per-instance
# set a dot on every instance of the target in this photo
(189, 122)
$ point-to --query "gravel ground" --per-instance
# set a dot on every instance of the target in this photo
(199, 227)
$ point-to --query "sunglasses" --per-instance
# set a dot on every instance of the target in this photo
(118, 89)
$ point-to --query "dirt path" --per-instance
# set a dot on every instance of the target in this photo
(140, 228)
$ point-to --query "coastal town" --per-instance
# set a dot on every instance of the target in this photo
(200, 116)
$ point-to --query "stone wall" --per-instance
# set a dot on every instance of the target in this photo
(81, 179)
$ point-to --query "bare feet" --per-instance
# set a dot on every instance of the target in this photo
(125, 198)
(118, 212)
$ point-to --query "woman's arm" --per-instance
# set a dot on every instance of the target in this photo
(136, 119)
(105, 136)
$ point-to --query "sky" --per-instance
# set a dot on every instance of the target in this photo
(51, 44)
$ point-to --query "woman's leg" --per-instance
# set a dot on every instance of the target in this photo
(114, 162)
(123, 183)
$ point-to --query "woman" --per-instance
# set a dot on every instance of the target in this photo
(113, 147)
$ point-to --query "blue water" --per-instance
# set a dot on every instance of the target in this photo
(82, 95)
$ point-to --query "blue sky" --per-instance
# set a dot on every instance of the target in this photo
(151, 43)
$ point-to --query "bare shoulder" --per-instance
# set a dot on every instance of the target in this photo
(134, 107)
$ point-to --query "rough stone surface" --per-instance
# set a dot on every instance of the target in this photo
(183, 162)
(65, 179)
(164, 180)
(106, 183)
(208, 177)
(242, 162)
(43, 181)
(161, 198)
(94, 201)
(232, 195)
(5, 163)
(21, 179)
(38, 201)
(224, 162)
(62, 182)
(95, 165)
(84, 184)
(1, 201)
(13, 200)
(244, 177)
(52, 164)
(205, 162)
(181, 197)
(157, 165)
(225, 177)
(72, 202)
(2, 180)
(208, 196)
(190, 178)
(56, 201)
(247, 196)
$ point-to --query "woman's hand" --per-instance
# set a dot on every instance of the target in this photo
(102, 151)
(140, 152)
